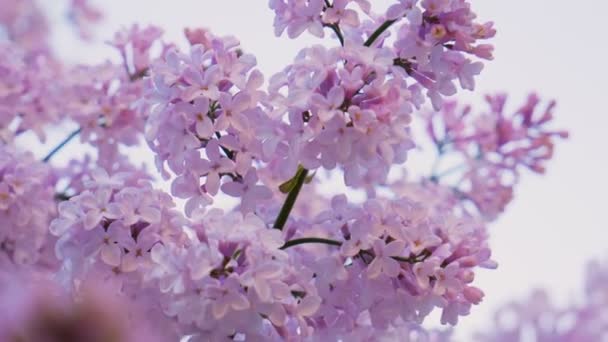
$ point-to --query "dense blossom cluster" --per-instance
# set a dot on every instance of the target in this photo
(346, 107)
(286, 264)
(29, 96)
(208, 101)
(27, 206)
(432, 40)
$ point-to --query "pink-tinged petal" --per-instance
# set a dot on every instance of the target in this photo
(336, 97)
(309, 305)
(130, 263)
(184, 186)
(238, 301)
(197, 203)
(219, 308)
(262, 289)
(243, 163)
(261, 192)
(278, 315)
(349, 248)
(193, 77)
(91, 219)
(256, 80)
(395, 11)
(212, 93)
(326, 115)
(316, 29)
(113, 211)
(241, 102)
(191, 94)
(60, 225)
(296, 28)
(395, 248)
(150, 214)
(239, 122)
(204, 128)
(374, 269)
(111, 254)
(212, 184)
(234, 189)
(391, 267)
(269, 271)
(213, 150)
(351, 18)
(473, 295)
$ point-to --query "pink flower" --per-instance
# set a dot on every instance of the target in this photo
(139, 248)
(226, 296)
(383, 262)
(249, 192)
(97, 206)
(232, 112)
(339, 14)
(214, 167)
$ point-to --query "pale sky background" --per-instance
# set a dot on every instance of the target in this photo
(557, 47)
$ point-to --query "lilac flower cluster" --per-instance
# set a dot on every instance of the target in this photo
(494, 148)
(403, 258)
(29, 95)
(287, 264)
(346, 107)
(27, 206)
(432, 41)
(206, 121)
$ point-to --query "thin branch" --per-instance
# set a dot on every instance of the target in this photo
(302, 241)
(379, 31)
(337, 31)
(412, 259)
(61, 145)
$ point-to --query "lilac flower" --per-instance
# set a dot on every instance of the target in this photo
(249, 192)
(214, 167)
(97, 206)
(232, 111)
(383, 262)
(226, 296)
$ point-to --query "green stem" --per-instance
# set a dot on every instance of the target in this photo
(290, 201)
(379, 31)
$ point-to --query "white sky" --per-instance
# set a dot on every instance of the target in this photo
(557, 47)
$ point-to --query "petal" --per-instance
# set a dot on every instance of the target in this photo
(309, 305)
(391, 267)
(374, 269)
(219, 309)
(239, 302)
(111, 254)
(150, 214)
(91, 219)
(395, 248)
(213, 183)
(129, 263)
